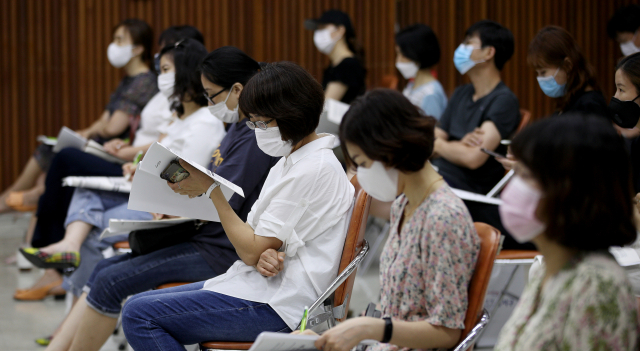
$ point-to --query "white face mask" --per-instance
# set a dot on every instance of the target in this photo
(271, 143)
(629, 47)
(166, 81)
(407, 69)
(379, 182)
(323, 41)
(222, 112)
(119, 55)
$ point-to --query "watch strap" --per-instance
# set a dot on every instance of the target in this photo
(213, 186)
(388, 330)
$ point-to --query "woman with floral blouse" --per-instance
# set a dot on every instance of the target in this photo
(428, 260)
(571, 197)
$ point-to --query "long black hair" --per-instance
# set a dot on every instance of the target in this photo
(187, 55)
(228, 65)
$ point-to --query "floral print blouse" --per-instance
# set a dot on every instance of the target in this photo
(588, 305)
(425, 269)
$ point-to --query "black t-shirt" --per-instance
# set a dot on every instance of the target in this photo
(239, 160)
(462, 116)
(590, 102)
(348, 72)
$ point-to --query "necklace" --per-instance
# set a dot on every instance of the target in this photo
(408, 214)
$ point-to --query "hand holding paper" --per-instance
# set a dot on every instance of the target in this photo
(194, 185)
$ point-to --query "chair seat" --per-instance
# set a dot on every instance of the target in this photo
(171, 285)
(123, 245)
(225, 345)
(517, 254)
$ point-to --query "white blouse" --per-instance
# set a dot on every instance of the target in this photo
(154, 118)
(305, 202)
(195, 137)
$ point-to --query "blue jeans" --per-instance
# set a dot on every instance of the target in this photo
(115, 278)
(186, 315)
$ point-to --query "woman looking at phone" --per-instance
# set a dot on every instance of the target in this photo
(428, 260)
(303, 210)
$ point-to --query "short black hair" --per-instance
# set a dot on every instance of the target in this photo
(187, 55)
(583, 167)
(419, 43)
(228, 65)
(626, 19)
(288, 93)
(494, 34)
(390, 129)
(141, 34)
(174, 34)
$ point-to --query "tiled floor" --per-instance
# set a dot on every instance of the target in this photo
(22, 322)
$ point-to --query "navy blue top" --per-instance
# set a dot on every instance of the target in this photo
(239, 160)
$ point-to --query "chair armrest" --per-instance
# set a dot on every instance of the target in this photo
(474, 334)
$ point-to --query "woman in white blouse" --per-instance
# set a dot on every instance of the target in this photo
(303, 210)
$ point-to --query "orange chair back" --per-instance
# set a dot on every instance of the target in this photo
(352, 244)
(489, 242)
(389, 81)
(525, 118)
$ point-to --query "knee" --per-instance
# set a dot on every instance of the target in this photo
(133, 310)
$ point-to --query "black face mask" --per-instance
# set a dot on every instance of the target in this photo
(624, 113)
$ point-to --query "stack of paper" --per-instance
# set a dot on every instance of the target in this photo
(625, 256)
(469, 196)
(150, 193)
(69, 138)
(268, 341)
(124, 226)
(51, 141)
(118, 184)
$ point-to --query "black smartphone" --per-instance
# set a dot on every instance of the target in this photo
(174, 173)
(494, 154)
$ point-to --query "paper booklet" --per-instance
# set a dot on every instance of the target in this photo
(467, 195)
(331, 116)
(69, 138)
(626, 256)
(118, 184)
(124, 226)
(150, 193)
(268, 341)
(51, 141)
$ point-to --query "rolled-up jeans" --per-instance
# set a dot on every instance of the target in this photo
(96, 207)
(170, 318)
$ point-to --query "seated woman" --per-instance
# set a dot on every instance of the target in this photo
(303, 210)
(428, 260)
(571, 197)
(207, 252)
(417, 52)
(131, 51)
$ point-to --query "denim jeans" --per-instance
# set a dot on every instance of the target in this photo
(115, 278)
(186, 315)
(96, 207)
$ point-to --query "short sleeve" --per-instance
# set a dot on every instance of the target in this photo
(432, 105)
(504, 112)
(602, 315)
(449, 255)
(347, 72)
(135, 95)
(279, 222)
(201, 139)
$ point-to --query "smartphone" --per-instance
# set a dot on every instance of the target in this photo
(174, 172)
(494, 154)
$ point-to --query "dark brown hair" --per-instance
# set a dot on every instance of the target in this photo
(288, 93)
(630, 66)
(390, 129)
(583, 167)
(141, 34)
(550, 47)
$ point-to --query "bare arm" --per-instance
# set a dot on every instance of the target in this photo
(248, 245)
(462, 155)
(335, 90)
(95, 126)
(115, 125)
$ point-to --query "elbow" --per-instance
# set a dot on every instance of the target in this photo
(249, 258)
(453, 337)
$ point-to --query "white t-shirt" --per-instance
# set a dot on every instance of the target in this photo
(155, 117)
(305, 202)
(195, 137)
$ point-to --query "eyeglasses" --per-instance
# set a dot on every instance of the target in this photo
(260, 124)
(210, 98)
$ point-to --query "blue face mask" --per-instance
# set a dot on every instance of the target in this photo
(550, 87)
(462, 58)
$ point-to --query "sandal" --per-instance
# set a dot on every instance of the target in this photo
(59, 260)
(37, 294)
(15, 200)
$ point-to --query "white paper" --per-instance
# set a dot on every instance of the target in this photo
(625, 256)
(118, 184)
(97, 150)
(51, 141)
(124, 226)
(335, 110)
(269, 341)
(467, 195)
(69, 138)
(150, 193)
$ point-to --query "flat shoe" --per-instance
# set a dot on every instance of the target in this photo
(44, 341)
(59, 260)
(15, 200)
(37, 293)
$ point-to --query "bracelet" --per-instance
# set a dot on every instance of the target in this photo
(213, 186)
(388, 330)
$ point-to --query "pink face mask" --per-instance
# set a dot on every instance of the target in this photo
(518, 210)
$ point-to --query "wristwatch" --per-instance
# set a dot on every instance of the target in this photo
(388, 330)
(213, 186)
